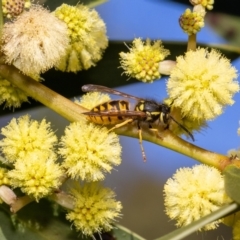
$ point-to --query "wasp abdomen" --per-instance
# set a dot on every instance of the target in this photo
(110, 106)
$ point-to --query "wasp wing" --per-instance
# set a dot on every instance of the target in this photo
(99, 88)
(124, 114)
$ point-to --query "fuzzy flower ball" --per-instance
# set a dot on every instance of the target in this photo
(193, 193)
(87, 33)
(12, 8)
(11, 95)
(23, 137)
(202, 83)
(4, 179)
(92, 99)
(205, 3)
(35, 41)
(192, 22)
(36, 175)
(142, 62)
(233, 221)
(89, 150)
(95, 209)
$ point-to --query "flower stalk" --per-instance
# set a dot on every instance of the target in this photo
(72, 112)
(192, 42)
(171, 141)
(46, 96)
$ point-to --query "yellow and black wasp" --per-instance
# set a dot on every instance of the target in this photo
(118, 113)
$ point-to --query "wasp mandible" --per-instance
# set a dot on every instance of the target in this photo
(118, 113)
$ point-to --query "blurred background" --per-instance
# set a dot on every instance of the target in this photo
(138, 184)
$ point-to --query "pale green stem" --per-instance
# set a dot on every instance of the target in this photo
(46, 96)
(72, 112)
(169, 140)
(192, 42)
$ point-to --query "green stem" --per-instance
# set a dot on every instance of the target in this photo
(192, 42)
(171, 141)
(46, 96)
(72, 112)
(183, 232)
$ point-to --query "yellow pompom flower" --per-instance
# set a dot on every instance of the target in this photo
(11, 95)
(4, 179)
(12, 8)
(92, 99)
(95, 209)
(193, 193)
(202, 83)
(192, 22)
(36, 175)
(87, 33)
(143, 60)
(205, 3)
(35, 41)
(185, 121)
(24, 136)
(89, 150)
(233, 221)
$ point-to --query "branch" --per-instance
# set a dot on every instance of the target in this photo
(43, 94)
(72, 112)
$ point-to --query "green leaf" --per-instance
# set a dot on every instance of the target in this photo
(36, 221)
(2, 235)
(123, 233)
(183, 232)
(232, 182)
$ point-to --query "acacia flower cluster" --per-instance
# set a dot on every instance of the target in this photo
(4, 179)
(143, 60)
(13, 8)
(202, 83)
(24, 137)
(89, 151)
(208, 4)
(36, 175)
(193, 193)
(29, 147)
(94, 208)
(192, 22)
(73, 38)
(233, 221)
(32, 45)
(11, 95)
(87, 33)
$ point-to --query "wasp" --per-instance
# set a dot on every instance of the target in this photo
(118, 113)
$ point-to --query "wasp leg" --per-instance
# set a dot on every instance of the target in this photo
(156, 131)
(120, 124)
(140, 142)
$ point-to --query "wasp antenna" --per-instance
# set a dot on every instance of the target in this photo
(185, 129)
